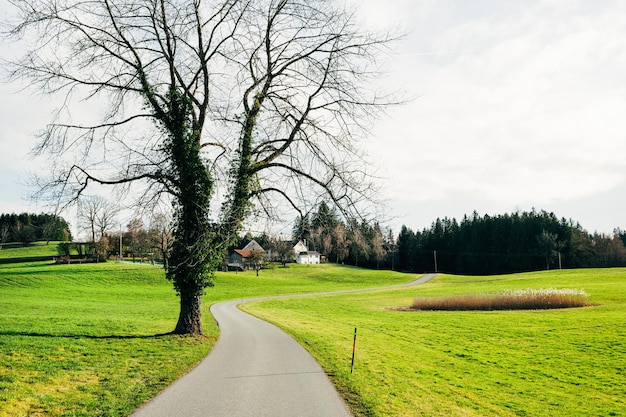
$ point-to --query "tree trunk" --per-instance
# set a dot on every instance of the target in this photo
(190, 316)
(195, 250)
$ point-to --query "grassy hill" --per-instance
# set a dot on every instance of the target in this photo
(33, 250)
(91, 340)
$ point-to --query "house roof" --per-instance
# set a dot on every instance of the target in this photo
(253, 245)
(309, 253)
(243, 253)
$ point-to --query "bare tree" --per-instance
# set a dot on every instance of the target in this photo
(378, 245)
(136, 237)
(97, 216)
(161, 235)
(547, 244)
(5, 232)
(256, 260)
(219, 105)
(283, 251)
(340, 235)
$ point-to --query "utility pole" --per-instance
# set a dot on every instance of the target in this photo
(435, 257)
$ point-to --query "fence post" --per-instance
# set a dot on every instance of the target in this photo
(353, 350)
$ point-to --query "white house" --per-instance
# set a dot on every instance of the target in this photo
(308, 257)
(299, 247)
(304, 256)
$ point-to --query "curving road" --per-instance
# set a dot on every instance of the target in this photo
(254, 370)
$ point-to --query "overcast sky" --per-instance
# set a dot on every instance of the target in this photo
(517, 104)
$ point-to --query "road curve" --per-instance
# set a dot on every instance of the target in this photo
(254, 370)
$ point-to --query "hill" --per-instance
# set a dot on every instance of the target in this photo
(36, 251)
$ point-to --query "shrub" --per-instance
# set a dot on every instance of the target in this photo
(528, 299)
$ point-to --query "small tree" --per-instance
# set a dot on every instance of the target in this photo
(161, 235)
(378, 245)
(256, 260)
(282, 251)
(5, 232)
(24, 233)
(547, 246)
(136, 237)
(342, 242)
(64, 249)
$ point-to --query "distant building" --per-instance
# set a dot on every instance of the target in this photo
(242, 258)
(305, 256)
(309, 257)
(299, 247)
(253, 245)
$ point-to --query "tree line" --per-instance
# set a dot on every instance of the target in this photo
(521, 241)
(350, 241)
(517, 242)
(26, 228)
(507, 243)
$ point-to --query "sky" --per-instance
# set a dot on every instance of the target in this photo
(514, 105)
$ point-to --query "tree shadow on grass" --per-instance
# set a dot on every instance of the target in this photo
(85, 336)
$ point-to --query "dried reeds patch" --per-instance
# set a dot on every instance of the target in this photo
(528, 299)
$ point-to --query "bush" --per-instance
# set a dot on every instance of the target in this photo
(529, 299)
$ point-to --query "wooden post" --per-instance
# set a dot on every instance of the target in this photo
(353, 350)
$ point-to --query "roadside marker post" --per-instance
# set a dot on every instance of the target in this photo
(353, 350)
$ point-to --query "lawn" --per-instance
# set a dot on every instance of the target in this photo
(35, 249)
(568, 362)
(90, 339)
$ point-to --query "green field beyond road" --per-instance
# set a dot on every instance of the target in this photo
(91, 340)
(569, 362)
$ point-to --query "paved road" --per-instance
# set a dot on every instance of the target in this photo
(254, 370)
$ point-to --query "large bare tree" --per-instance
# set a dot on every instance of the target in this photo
(219, 105)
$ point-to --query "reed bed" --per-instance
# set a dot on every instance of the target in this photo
(527, 299)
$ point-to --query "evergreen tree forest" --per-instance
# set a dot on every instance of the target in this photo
(477, 245)
(507, 243)
(26, 228)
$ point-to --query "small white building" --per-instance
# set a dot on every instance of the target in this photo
(308, 257)
(300, 247)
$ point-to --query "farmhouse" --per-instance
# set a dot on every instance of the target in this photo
(308, 257)
(299, 247)
(245, 258)
(303, 255)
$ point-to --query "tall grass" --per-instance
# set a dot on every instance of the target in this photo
(521, 299)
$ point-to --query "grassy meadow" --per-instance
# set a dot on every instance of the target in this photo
(91, 339)
(566, 362)
(35, 249)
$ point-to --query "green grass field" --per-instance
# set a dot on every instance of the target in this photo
(569, 362)
(16, 250)
(90, 340)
